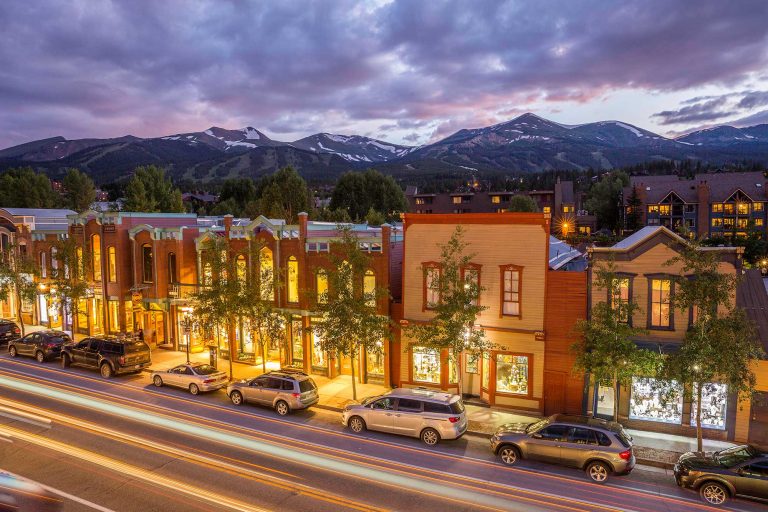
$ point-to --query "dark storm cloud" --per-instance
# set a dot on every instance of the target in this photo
(99, 68)
(709, 110)
(753, 99)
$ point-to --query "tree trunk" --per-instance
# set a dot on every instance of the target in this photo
(263, 355)
(459, 387)
(18, 312)
(615, 398)
(352, 366)
(699, 431)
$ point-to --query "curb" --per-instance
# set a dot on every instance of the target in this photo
(655, 463)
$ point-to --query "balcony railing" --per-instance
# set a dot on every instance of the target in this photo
(181, 291)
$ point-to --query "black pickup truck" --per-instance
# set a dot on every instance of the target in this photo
(108, 354)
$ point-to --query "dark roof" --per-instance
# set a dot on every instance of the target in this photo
(566, 189)
(721, 186)
(752, 296)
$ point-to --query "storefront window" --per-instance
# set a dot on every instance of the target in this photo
(605, 400)
(96, 252)
(246, 339)
(82, 314)
(656, 400)
(470, 363)
(111, 265)
(128, 315)
(374, 362)
(97, 315)
(114, 316)
(486, 371)
(318, 356)
(426, 365)
(512, 374)
(714, 402)
(452, 367)
(297, 344)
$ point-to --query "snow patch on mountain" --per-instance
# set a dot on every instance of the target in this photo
(628, 127)
(251, 133)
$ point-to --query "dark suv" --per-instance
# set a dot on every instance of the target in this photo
(9, 331)
(718, 476)
(109, 354)
(41, 345)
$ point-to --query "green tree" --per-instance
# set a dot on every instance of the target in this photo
(24, 188)
(17, 279)
(522, 203)
(350, 321)
(70, 266)
(452, 325)
(606, 349)
(217, 300)
(721, 343)
(79, 191)
(236, 196)
(604, 199)
(149, 190)
(375, 218)
(327, 215)
(284, 194)
(634, 214)
(358, 192)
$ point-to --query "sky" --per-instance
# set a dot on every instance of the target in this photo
(408, 72)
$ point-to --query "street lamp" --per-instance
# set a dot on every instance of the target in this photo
(186, 324)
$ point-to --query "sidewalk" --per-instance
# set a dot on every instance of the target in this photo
(651, 448)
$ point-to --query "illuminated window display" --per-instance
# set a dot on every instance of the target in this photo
(374, 362)
(426, 365)
(297, 344)
(512, 374)
(486, 371)
(655, 400)
(318, 356)
(605, 400)
(714, 401)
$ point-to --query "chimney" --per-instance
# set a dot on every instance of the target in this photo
(702, 214)
(228, 224)
(386, 232)
(303, 216)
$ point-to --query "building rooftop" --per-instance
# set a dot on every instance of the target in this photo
(560, 253)
(751, 295)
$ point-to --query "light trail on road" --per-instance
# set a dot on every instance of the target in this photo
(464, 494)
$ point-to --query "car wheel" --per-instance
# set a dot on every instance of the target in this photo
(598, 472)
(509, 455)
(356, 424)
(236, 397)
(65, 361)
(282, 408)
(12, 351)
(157, 381)
(430, 437)
(40, 356)
(194, 389)
(714, 493)
(106, 370)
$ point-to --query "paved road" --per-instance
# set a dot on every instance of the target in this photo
(124, 445)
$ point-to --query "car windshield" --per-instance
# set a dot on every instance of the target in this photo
(370, 399)
(205, 369)
(535, 427)
(732, 456)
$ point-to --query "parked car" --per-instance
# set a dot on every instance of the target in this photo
(19, 494)
(719, 476)
(428, 415)
(109, 354)
(42, 345)
(195, 377)
(599, 447)
(283, 390)
(9, 331)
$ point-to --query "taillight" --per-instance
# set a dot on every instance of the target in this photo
(208, 381)
(626, 454)
(122, 359)
(16, 330)
(50, 345)
(296, 395)
(454, 419)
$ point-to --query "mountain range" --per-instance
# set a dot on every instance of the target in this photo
(528, 143)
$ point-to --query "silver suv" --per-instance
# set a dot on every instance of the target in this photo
(283, 390)
(597, 446)
(429, 415)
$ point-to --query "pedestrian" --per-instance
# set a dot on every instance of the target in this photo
(140, 334)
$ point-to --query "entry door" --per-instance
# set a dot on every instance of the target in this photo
(554, 393)
(758, 424)
(345, 366)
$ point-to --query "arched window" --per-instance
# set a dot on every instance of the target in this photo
(322, 286)
(266, 274)
(293, 279)
(369, 288)
(111, 264)
(96, 252)
(54, 261)
(146, 263)
(241, 268)
(43, 265)
(172, 277)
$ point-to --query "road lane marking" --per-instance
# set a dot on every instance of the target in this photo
(65, 495)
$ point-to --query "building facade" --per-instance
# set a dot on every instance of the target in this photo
(510, 262)
(645, 279)
(718, 204)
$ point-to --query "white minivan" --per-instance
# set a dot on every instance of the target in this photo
(423, 413)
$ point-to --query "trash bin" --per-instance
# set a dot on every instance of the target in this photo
(214, 355)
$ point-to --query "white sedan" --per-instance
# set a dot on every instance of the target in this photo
(195, 377)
